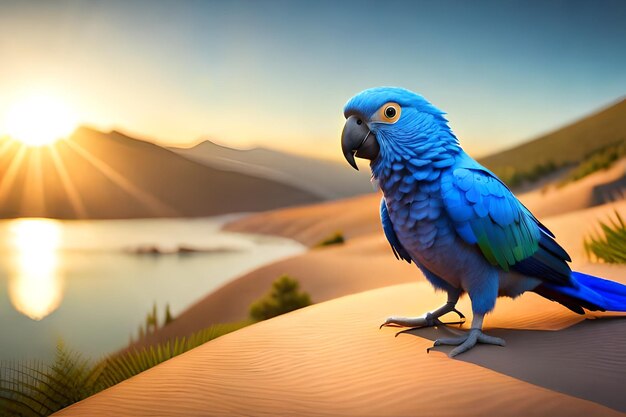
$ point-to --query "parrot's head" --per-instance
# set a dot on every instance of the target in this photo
(388, 119)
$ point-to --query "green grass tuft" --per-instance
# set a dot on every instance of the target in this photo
(334, 239)
(609, 244)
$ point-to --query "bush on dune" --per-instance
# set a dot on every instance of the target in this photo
(334, 239)
(285, 296)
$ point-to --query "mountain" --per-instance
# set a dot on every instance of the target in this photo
(110, 175)
(326, 179)
(565, 146)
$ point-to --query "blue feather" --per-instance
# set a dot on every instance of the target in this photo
(396, 246)
(589, 292)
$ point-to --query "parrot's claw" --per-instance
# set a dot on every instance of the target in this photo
(461, 316)
(467, 341)
(414, 323)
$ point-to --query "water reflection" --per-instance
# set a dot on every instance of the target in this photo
(35, 281)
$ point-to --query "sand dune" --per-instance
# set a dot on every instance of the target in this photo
(330, 359)
(598, 188)
(360, 265)
(364, 262)
(310, 224)
(359, 216)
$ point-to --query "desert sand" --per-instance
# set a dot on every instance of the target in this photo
(331, 358)
(364, 262)
(596, 189)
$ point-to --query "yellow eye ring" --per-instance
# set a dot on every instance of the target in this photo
(389, 113)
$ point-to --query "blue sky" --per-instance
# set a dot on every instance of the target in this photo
(277, 74)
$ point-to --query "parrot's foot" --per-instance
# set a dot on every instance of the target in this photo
(430, 320)
(468, 341)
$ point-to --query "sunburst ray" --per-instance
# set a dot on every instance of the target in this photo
(6, 182)
(70, 189)
(148, 200)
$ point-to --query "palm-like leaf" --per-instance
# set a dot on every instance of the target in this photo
(609, 244)
(33, 389)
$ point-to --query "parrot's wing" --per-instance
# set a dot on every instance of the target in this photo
(396, 246)
(486, 213)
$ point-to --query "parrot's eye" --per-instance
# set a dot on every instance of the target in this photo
(388, 113)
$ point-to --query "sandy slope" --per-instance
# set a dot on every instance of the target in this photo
(598, 188)
(331, 359)
(310, 224)
(363, 263)
(359, 216)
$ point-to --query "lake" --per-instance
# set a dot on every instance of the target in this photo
(92, 283)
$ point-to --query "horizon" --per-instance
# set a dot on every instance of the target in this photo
(249, 75)
(165, 144)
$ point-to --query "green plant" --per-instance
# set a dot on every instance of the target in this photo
(285, 296)
(609, 244)
(168, 315)
(36, 389)
(334, 239)
(151, 324)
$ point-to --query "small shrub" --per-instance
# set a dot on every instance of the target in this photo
(608, 245)
(334, 239)
(285, 296)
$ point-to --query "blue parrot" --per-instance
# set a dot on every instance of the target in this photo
(456, 220)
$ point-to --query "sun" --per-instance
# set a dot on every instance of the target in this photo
(39, 120)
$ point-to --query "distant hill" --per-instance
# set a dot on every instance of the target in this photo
(109, 175)
(565, 146)
(327, 179)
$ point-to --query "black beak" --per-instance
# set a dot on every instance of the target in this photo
(357, 140)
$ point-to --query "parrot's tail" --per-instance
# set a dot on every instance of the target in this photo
(588, 292)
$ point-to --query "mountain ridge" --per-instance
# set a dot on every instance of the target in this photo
(327, 179)
(569, 144)
(94, 175)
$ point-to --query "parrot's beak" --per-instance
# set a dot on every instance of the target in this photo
(357, 140)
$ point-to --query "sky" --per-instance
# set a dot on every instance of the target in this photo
(277, 73)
